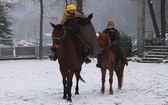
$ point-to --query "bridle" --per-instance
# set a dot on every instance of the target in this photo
(103, 45)
(61, 37)
(102, 48)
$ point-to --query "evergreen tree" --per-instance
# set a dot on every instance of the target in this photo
(5, 23)
(126, 41)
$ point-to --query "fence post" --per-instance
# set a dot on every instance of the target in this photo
(0, 52)
(14, 48)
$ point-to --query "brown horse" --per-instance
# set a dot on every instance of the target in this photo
(108, 61)
(68, 57)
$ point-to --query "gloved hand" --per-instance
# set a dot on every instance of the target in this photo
(90, 16)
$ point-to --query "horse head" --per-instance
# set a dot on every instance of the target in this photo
(103, 40)
(58, 35)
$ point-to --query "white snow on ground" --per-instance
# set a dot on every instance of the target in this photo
(38, 82)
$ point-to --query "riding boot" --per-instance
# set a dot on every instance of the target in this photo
(85, 54)
(98, 65)
(55, 56)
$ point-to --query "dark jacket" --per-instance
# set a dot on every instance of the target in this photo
(89, 35)
(85, 32)
(113, 34)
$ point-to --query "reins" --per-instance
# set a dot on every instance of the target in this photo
(104, 45)
(62, 37)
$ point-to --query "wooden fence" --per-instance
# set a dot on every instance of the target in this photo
(23, 52)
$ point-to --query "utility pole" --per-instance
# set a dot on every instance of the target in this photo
(163, 20)
(41, 31)
(140, 25)
(150, 4)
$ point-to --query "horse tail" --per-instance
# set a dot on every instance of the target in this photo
(124, 55)
(77, 73)
(81, 79)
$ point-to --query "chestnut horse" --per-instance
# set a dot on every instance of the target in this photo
(107, 60)
(70, 61)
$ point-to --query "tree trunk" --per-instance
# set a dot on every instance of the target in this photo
(140, 25)
(79, 5)
(70, 1)
(41, 30)
(153, 18)
(163, 19)
(66, 1)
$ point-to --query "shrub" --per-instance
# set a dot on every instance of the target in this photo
(126, 41)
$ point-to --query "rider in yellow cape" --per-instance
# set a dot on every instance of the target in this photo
(82, 29)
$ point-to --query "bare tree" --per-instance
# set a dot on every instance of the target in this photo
(141, 25)
(41, 30)
(163, 19)
(150, 4)
(66, 1)
(79, 5)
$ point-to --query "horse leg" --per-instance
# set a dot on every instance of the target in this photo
(64, 84)
(118, 77)
(77, 87)
(119, 73)
(77, 74)
(70, 76)
(111, 81)
(65, 89)
(103, 80)
(121, 76)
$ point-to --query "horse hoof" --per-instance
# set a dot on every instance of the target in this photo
(111, 93)
(65, 97)
(102, 92)
(69, 100)
(76, 93)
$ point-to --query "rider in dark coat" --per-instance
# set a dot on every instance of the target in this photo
(82, 30)
(115, 39)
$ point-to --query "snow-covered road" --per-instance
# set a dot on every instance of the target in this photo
(35, 82)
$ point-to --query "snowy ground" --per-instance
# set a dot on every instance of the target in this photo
(35, 82)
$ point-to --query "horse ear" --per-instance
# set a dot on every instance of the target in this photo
(53, 25)
(100, 33)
